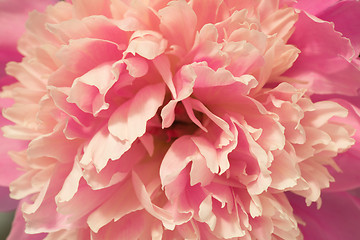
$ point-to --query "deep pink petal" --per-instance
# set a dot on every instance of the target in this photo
(345, 15)
(314, 6)
(324, 59)
(338, 217)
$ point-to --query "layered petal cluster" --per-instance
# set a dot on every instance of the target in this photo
(13, 15)
(169, 120)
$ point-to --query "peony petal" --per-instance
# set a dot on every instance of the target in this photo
(129, 121)
(77, 58)
(106, 212)
(98, 153)
(178, 11)
(95, 26)
(326, 223)
(147, 44)
(96, 83)
(53, 141)
(176, 159)
(314, 6)
(8, 169)
(323, 61)
(285, 173)
(92, 7)
(18, 229)
(280, 23)
(347, 21)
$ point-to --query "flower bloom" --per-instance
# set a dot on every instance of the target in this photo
(172, 119)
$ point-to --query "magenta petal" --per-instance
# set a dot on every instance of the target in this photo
(324, 59)
(349, 178)
(346, 17)
(314, 6)
(338, 217)
(349, 162)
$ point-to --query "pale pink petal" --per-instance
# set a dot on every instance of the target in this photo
(8, 169)
(77, 58)
(52, 141)
(107, 213)
(208, 14)
(95, 26)
(96, 83)
(184, 34)
(93, 7)
(77, 209)
(132, 226)
(115, 171)
(285, 173)
(14, 13)
(99, 153)
(71, 184)
(129, 121)
(162, 64)
(79, 234)
(184, 83)
(280, 23)
(147, 44)
(43, 204)
(59, 96)
(176, 159)
(28, 73)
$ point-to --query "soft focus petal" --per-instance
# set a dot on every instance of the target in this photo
(314, 6)
(345, 16)
(323, 62)
(13, 15)
(337, 218)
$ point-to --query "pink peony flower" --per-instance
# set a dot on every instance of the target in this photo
(175, 119)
